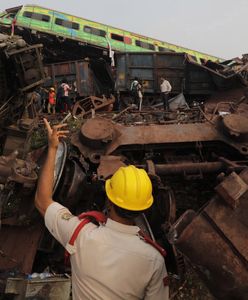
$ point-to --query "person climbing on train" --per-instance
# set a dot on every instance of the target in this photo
(113, 260)
(165, 88)
(51, 101)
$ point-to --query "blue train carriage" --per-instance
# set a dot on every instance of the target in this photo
(65, 26)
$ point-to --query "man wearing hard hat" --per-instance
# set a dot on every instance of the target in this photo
(114, 260)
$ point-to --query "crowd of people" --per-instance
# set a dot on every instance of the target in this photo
(57, 99)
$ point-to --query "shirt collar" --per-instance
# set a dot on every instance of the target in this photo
(122, 227)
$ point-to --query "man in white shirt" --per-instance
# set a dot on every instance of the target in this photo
(165, 88)
(110, 261)
(65, 97)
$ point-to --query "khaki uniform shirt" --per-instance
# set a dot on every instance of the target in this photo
(109, 262)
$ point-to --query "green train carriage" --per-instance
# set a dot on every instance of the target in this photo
(38, 19)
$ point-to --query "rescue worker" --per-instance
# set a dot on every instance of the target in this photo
(109, 261)
(51, 101)
(165, 89)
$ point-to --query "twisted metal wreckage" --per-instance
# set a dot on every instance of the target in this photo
(188, 153)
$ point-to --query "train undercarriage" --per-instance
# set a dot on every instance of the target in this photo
(187, 159)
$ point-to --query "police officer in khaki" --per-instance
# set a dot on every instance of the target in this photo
(110, 261)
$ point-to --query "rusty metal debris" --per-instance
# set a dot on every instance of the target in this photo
(185, 149)
(92, 103)
(13, 169)
(227, 74)
(215, 238)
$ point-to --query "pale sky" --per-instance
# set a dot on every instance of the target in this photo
(217, 27)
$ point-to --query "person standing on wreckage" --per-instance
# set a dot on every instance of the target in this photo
(165, 88)
(112, 261)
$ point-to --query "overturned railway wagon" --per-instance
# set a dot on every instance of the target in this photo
(184, 76)
(181, 151)
(97, 77)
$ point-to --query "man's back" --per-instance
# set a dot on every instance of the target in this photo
(111, 261)
(165, 86)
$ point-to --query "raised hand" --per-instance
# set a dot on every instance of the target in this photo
(55, 133)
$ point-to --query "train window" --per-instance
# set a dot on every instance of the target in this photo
(163, 49)
(27, 14)
(36, 16)
(75, 26)
(144, 45)
(94, 31)
(151, 47)
(87, 29)
(67, 24)
(117, 37)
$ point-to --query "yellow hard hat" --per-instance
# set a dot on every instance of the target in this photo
(130, 188)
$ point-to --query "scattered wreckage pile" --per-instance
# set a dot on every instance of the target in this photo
(189, 154)
(176, 152)
(21, 72)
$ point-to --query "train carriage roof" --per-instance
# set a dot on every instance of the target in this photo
(135, 35)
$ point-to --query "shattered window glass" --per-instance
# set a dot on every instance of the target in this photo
(67, 24)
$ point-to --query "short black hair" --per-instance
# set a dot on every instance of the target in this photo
(126, 214)
(64, 80)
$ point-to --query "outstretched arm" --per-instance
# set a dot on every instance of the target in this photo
(44, 191)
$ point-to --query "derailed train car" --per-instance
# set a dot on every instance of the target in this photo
(185, 75)
(21, 72)
(182, 151)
